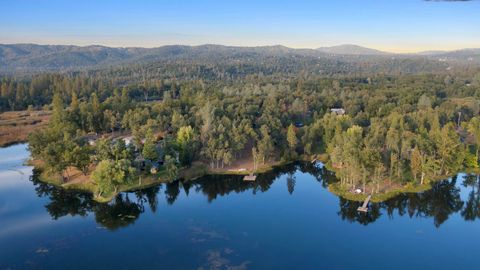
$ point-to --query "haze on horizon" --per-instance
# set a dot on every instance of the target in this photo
(394, 26)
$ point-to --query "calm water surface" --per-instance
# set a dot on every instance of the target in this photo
(286, 219)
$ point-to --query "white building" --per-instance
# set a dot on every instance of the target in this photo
(338, 111)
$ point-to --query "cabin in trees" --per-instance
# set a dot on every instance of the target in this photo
(299, 124)
(144, 164)
(127, 140)
(338, 111)
(90, 138)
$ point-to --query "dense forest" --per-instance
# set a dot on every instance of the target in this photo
(30, 74)
(19, 59)
(409, 128)
(404, 119)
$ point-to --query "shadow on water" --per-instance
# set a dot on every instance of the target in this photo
(437, 203)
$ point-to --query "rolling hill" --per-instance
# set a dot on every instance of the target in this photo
(26, 58)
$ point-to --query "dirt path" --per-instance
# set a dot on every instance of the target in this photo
(76, 176)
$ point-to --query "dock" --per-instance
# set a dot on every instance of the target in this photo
(250, 177)
(364, 207)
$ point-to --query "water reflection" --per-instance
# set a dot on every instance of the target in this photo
(471, 211)
(119, 213)
(439, 203)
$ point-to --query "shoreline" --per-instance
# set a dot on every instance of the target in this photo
(410, 187)
(13, 142)
(145, 180)
(199, 169)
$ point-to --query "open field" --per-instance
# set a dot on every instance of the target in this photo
(15, 126)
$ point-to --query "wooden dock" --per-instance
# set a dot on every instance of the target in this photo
(250, 177)
(364, 207)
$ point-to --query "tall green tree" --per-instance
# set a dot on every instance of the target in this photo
(171, 167)
(265, 145)
(185, 143)
(416, 162)
(292, 138)
(58, 113)
(79, 157)
(110, 174)
(149, 148)
(474, 130)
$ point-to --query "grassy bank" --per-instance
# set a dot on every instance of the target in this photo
(143, 181)
(389, 193)
(340, 191)
(263, 168)
(15, 126)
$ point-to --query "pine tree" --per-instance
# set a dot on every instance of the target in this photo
(149, 150)
(292, 137)
(416, 162)
(474, 129)
(185, 137)
(171, 167)
(265, 145)
(58, 114)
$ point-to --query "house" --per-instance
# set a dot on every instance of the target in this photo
(90, 138)
(338, 111)
(298, 124)
(154, 167)
(128, 140)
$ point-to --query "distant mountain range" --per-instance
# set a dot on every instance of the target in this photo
(33, 57)
(349, 49)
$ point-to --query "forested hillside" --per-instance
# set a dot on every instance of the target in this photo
(345, 59)
(31, 73)
(408, 119)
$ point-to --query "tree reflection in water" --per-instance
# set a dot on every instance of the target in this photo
(438, 203)
(120, 212)
(471, 211)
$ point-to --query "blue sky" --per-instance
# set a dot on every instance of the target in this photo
(393, 25)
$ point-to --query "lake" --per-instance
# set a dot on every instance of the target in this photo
(286, 219)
